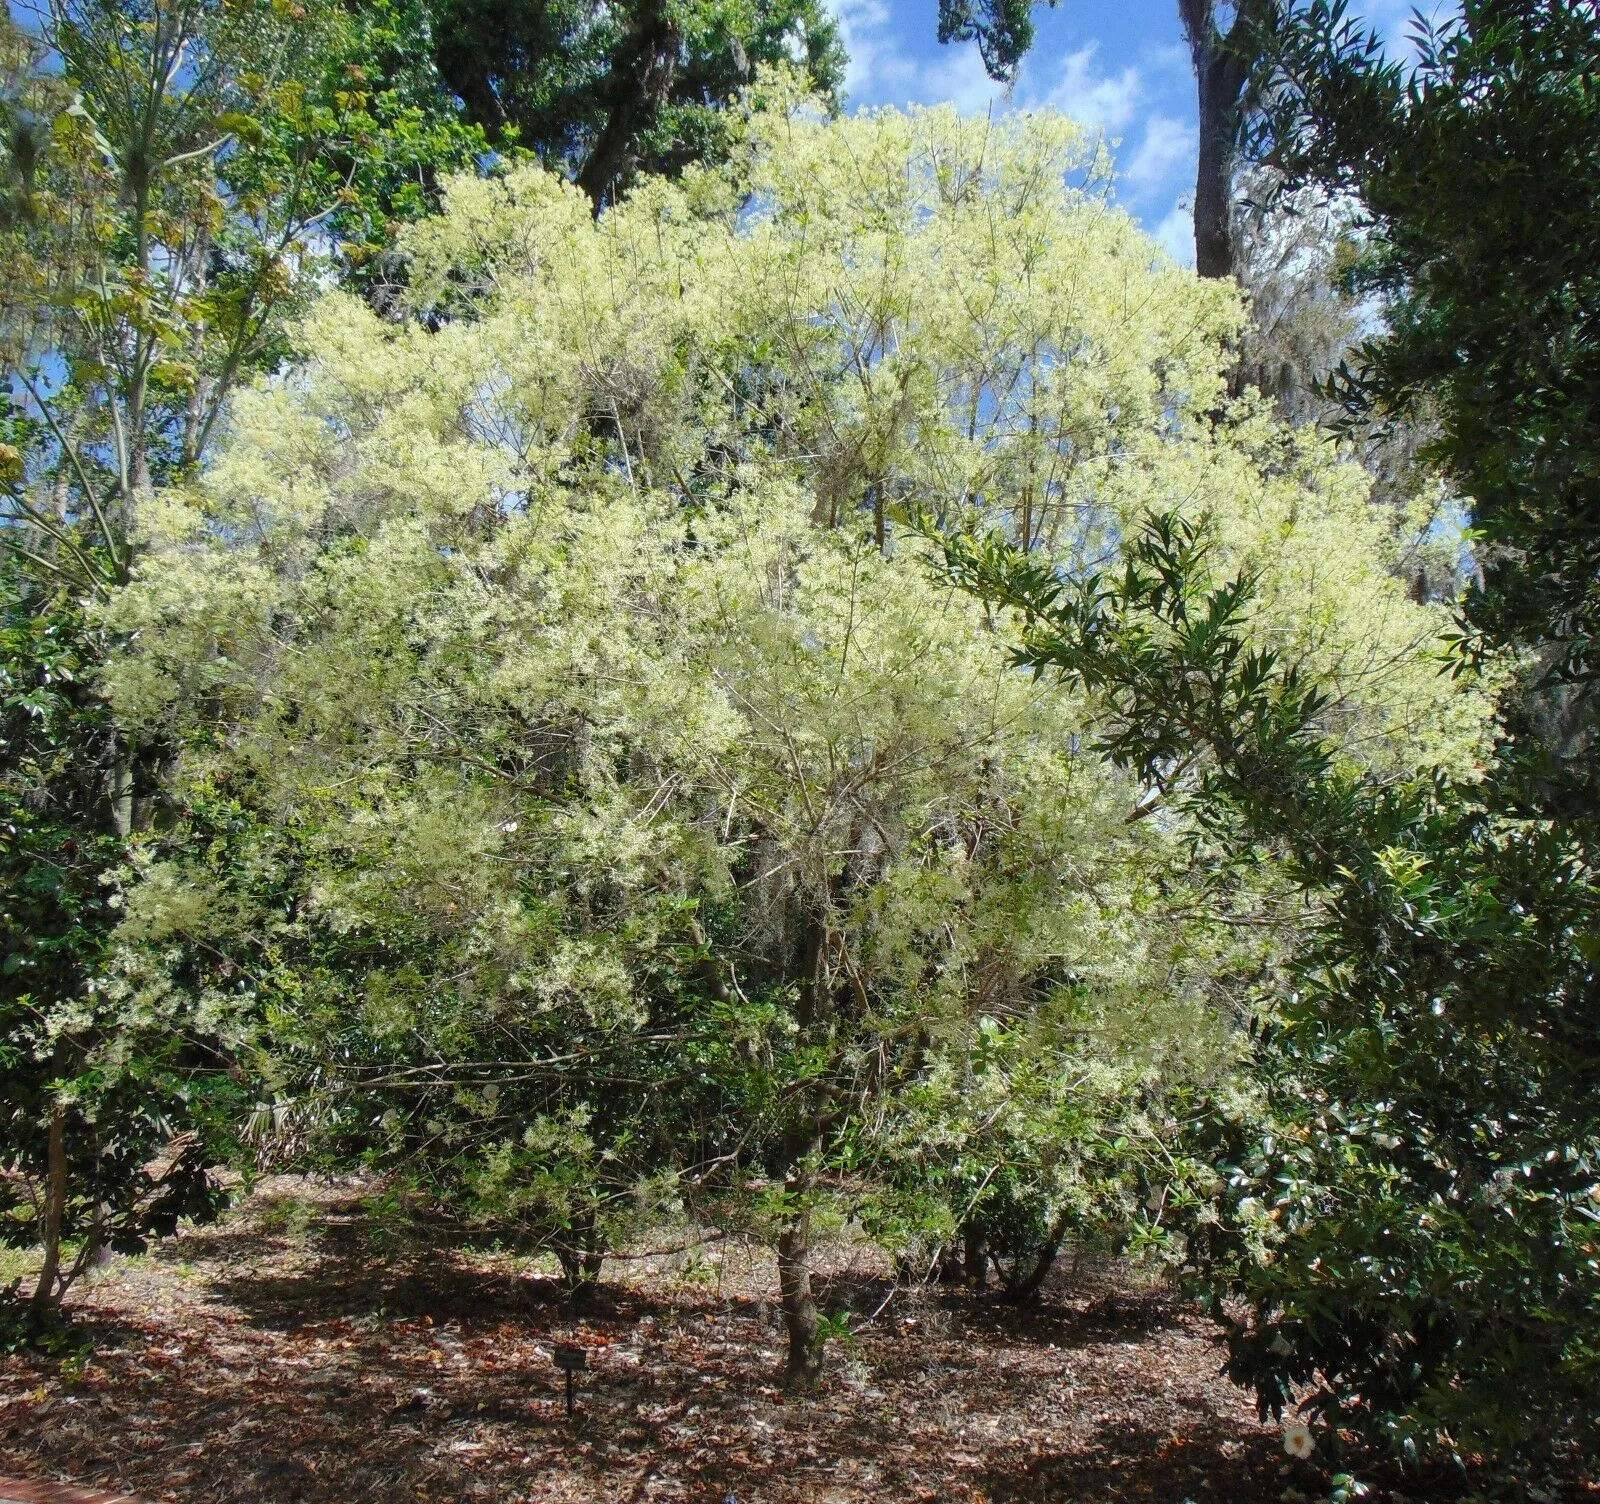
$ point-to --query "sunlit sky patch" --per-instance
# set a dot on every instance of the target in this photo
(1122, 67)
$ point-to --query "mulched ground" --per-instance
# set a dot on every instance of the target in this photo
(280, 1358)
(34, 1491)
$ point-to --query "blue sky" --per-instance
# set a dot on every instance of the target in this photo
(1119, 65)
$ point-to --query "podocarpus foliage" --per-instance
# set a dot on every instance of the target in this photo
(1411, 1222)
(1477, 169)
(97, 1095)
(610, 809)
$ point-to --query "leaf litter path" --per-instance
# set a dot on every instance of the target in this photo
(282, 1358)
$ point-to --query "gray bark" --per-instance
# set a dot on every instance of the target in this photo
(799, 1301)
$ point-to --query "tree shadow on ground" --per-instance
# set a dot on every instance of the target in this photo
(348, 1263)
(1073, 1308)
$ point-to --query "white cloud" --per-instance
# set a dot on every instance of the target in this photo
(1097, 99)
(1148, 100)
(875, 60)
(1169, 144)
(884, 69)
(1176, 233)
(959, 78)
(1171, 61)
(1395, 22)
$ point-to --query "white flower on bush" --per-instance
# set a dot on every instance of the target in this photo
(1250, 1209)
(1297, 1440)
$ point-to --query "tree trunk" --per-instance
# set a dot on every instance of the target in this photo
(55, 1206)
(1028, 1284)
(582, 1258)
(799, 1303)
(121, 791)
(1221, 78)
(1021, 1287)
(462, 57)
(644, 72)
(802, 1144)
(1221, 70)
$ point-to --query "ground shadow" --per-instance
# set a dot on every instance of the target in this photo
(272, 1360)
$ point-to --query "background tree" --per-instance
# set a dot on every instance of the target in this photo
(603, 93)
(179, 174)
(1223, 61)
(1480, 265)
(1294, 259)
(1300, 260)
(1411, 1225)
(98, 1095)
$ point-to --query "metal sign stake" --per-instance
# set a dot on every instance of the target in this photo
(570, 1360)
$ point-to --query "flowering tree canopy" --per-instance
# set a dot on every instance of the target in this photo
(597, 782)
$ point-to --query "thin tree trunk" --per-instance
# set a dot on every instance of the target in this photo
(798, 1301)
(55, 1206)
(122, 792)
(200, 386)
(582, 1258)
(1021, 1289)
(803, 1143)
(795, 1294)
(138, 477)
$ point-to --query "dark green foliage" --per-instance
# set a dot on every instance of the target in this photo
(386, 1051)
(1003, 30)
(605, 92)
(1414, 1225)
(363, 131)
(26, 1326)
(57, 845)
(171, 173)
